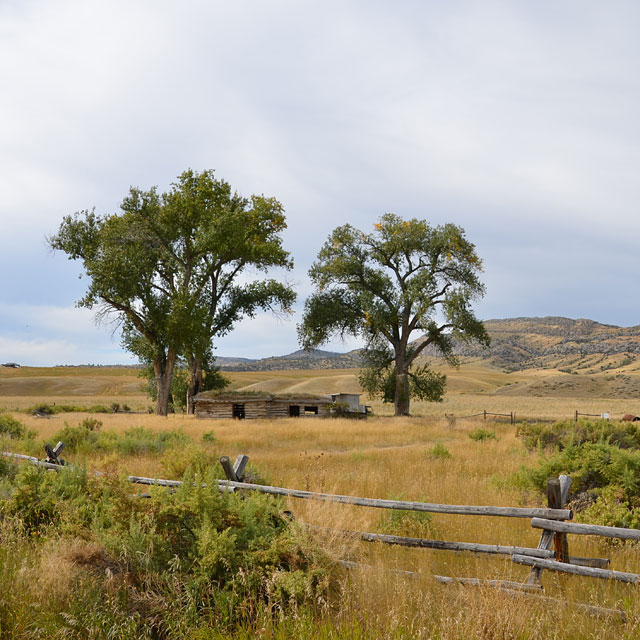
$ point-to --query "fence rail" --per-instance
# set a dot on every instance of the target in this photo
(552, 553)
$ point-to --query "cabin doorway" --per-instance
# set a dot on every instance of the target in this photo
(238, 411)
(294, 411)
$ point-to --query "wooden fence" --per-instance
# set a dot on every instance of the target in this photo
(551, 554)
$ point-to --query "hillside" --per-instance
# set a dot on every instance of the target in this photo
(314, 359)
(516, 344)
(553, 342)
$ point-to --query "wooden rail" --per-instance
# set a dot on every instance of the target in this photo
(465, 510)
(552, 521)
(586, 529)
(441, 545)
(565, 567)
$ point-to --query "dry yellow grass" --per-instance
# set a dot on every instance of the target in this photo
(385, 457)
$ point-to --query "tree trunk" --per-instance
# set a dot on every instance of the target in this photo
(401, 399)
(195, 384)
(163, 368)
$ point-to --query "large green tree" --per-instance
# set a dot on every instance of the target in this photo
(173, 268)
(403, 287)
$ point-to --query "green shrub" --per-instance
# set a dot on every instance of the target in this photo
(11, 427)
(398, 522)
(78, 439)
(209, 436)
(591, 466)
(613, 508)
(192, 559)
(480, 435)
(439, 452)
(54, 409)
(568, 433)
(140, 440)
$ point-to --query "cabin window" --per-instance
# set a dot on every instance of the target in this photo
(294, 411)
(313, 410)
(238, 411)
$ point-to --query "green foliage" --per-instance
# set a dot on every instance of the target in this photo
(404, 278)
(439, 452)
(162, 567)
(87, 438)
(559, 435)
(397, 522)
(603, 460)
(169, 266)
(54, 409)
(381, 382)
(591, 466)
(613, 508)
(481, 435)
(11, 427)
(212, 379)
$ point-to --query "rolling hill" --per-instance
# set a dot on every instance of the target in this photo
(516, 344)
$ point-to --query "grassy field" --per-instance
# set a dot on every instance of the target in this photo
(381, 457)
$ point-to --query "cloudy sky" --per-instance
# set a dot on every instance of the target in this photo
(517, 120)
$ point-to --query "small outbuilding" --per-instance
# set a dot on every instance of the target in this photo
(258, 404)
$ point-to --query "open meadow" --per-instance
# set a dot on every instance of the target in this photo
(428, 457)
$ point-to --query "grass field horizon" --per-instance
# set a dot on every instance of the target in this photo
(381, 457)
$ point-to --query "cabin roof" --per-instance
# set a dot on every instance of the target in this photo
(261, 396)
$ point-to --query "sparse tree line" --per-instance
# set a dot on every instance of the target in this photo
(178, 269)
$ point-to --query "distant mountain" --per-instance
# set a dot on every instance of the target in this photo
(524, 343)
(301, 359)
(516, 343)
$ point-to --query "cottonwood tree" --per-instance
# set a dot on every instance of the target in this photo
(403, 287)
(173, 268)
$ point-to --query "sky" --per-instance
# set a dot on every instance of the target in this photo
(517, 120)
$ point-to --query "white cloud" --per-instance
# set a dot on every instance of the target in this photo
(516, 120)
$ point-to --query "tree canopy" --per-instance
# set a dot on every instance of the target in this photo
(403, 287)
(172, 267)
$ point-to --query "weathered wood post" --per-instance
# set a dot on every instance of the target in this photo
(53, 453)
(485, 414)
(557, 494)
(576, 416)
(234, 473)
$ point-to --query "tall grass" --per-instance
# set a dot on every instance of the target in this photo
(380, 457)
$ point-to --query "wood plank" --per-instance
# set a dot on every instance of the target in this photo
(600, 563)
(546, 540)
(442, 545)
(225, 463)
(565, 567)
(586, 529)
(240, 465)
(507, 512)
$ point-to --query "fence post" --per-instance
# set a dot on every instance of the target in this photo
(228, 469)
(240, 465)
(576, 416)
(485, 414)
(513, 418)
(557, 493)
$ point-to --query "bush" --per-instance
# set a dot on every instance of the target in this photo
(439, 452)
(568, 433)
(11, 427)
(592, 466)
(167, 566)
(397, 522)
(53, 409)
(480, 435)
(87, 438)
(612, 508)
